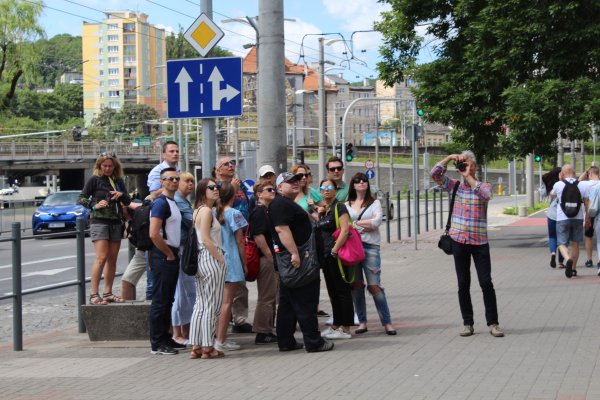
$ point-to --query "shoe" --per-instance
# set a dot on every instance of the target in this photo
(360, 331)
(243, 328)
(295, 346)
(338, 334)
(227, 346)
(391, 333)
(495, 331)
(165, 350)
(326, 346)
(327, 331)
(561, 266)
(553, 261)
(181, 340)
(265, 338)
(467, 331)
(329, 321)
(356, 321)
(322, 313)
(574, 272)
(589, 264)
(176, 345)
(569, 269)
(598, 269)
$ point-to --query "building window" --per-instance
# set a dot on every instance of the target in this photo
(113, 93)
(114, 104)
(101, 95)
(129, 59)
(113, 71)
(113, 82)
(113, 49)
(113, 38)
(129, 49)
(129, 27)
(101, 72)
(113, 60)
(112, 27)
(128, 38)
(100, 51)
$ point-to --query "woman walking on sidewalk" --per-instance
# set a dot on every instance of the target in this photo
(366, 213)
(549, 179)
(469, 237)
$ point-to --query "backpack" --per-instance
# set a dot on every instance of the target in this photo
(594, 202)
(570, 199)
(189, 256)
(139, 226)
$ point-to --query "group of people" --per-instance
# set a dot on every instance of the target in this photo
(566, 230)
(283, 215)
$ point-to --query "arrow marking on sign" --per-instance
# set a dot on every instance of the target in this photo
(183, 79)
(219, 94)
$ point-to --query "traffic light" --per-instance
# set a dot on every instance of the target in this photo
(349, 152)
(299, 157)
(147, 130)
(420, 110)
(76, 134)
(537, 158)
(338, 151)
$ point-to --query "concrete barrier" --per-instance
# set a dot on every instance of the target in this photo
(111, 322)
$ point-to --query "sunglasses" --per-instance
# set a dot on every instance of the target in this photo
(267, 190)
(228, 164)
(303, 175)
(328, 187)
(213, 187)
(172, 178)
(359, 180)
(334, 169)
(108, 154)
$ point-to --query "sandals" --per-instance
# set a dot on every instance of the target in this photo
(95, 299)
(206, 354)
(112, 298)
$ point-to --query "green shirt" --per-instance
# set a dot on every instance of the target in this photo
(342, 192)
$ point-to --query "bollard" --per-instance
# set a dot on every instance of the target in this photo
(434, 213)
(17, 288)
(80, 224)
(426, 210)
(441, 209)
(398, 221)
(408, 212)
(522, 211)
(418, 204)
(387, 220)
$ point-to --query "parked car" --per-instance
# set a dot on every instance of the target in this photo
(59, 212)
(7, 191)
(379, 194)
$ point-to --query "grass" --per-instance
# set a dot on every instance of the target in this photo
(530, 210)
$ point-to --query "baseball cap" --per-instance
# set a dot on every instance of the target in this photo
(286, 177)
(265, 169)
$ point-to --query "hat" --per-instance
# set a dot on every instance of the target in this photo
(265, 169)
(286, 177)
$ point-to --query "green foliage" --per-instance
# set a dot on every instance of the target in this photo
(128, 121)
(526, 67)
(59, 106)
(530, 210)
(58, 55)
(179, 48)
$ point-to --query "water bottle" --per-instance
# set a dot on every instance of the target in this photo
(275, 248)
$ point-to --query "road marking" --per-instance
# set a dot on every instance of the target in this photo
(44, 260)
(47, 272)
(55, 244)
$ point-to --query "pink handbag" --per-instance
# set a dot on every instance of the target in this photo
(352, 251)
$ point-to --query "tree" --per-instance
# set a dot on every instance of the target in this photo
(528, 67)
(18, 28)
(130, 119)
(60, 54)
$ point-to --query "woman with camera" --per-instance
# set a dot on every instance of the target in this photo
(106, 195)
(469, 237)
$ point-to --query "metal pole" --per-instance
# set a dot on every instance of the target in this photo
(16, 288)
(209, 125)
(426, 210)
(418, 210)
(80, 271)
(415, 171)
(387, 220)
(408, 212)
(322, 109)
(434, 213)
(187, 145)
(398, 193)
(236, 140)
(377, 174)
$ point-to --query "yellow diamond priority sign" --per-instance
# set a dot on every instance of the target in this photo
(203, 34)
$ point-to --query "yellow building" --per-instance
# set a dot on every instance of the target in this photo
(124, 61)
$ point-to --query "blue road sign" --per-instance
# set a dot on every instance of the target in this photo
(370, 173)
(204, 88)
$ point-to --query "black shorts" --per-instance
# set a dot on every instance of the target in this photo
(590, 232)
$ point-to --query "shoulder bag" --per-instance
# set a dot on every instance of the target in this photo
(307, 272)
(445, 242)
(252, 255)
(351, 252)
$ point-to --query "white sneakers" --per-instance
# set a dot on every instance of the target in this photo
(334, 334)
(227, 346)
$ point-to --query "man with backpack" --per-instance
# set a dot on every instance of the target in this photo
(589, 182)
(569, 218)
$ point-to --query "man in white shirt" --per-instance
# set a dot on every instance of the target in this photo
(588, 182)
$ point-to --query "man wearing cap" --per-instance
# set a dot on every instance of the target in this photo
(266, 174)
(335, 172)
(225, 172)
(299, 304)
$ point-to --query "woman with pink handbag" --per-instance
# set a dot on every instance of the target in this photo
(337, 286)
(366, 213)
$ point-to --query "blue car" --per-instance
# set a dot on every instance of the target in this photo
(59, 212)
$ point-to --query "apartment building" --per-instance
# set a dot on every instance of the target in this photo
(124, 61)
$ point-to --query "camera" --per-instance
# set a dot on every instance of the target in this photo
(461, 166)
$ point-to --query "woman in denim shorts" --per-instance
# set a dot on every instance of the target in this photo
(366, 214)
(105, 194)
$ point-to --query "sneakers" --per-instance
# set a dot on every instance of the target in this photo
(569, 269)
(589, 264)
(495, 331)
(227, 346)
(598, 269)
(329, 321)
(164, 350)
(338, 334)
(326, 346)
(265, 338)
(322, 313)
(553, 261)
(327, 331)
(243, 328)
(176, 345)
(467, 331)
(295, 346)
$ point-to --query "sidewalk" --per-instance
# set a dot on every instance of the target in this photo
(551, 349)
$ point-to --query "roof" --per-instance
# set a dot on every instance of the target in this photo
(250, 61)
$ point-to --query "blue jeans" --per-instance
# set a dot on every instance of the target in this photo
(552, 241)
(165, 275)
(370, 268)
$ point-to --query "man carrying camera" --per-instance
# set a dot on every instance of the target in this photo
(469, 237)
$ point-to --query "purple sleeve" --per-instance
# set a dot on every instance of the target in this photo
(438, 175)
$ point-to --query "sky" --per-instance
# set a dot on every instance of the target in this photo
(340, 18)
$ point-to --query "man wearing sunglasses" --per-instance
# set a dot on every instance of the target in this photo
(165, 232)
(170, 157)
(225, 172)
(335, 172)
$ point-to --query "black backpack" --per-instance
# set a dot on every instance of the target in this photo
(139, 226)
(570, 199)
(189, 256)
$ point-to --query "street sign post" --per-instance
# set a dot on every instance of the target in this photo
(370, 173)
(203, 34)
(204, 88)
(369, 164)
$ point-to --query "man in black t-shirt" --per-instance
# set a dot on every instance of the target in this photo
(295, 304)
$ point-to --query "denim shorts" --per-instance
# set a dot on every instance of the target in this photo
(370, 267)
(570, 230)
(110, 232)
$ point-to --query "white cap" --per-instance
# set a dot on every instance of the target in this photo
(265, 169)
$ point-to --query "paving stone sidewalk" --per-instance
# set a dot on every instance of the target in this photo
(550, 351)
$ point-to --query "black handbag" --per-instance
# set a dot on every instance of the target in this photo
(445, 242)
(307, 272)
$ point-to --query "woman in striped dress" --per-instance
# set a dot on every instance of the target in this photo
(210, 278)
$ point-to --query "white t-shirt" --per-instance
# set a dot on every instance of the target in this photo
(557, 189)
(373, 213)
(587, 188)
